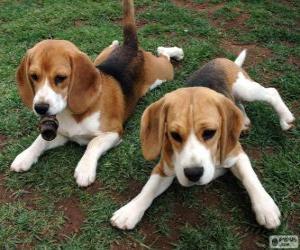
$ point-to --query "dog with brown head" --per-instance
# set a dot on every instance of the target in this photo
(84, 101)
(195, 131)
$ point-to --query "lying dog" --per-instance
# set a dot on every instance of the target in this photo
(91, 103)
(196, 131)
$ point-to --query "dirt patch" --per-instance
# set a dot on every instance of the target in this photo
(133, 189)
(139, 22)
(79, 23)
(124, 244)
(200, 7)
(295, 61)
(296, 108)
(252, 241)
(255, 53)
(29, 197)
(96, 187)
(3, 141)
(209, 198)
(294, 218)
(24, 246)
(181, 216)
(238, 23)
(257, 153)
(6, 196)
(73, 214)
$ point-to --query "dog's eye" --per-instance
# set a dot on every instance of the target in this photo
(59, 79)
(176, 136)
(34, 77)
(208, 134)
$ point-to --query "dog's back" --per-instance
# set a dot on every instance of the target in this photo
(125, 63)
(218, 75)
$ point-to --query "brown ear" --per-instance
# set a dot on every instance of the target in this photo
(85, 85)
(232, 123)
(153, 129)
(24, 85)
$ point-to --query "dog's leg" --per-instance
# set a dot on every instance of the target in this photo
(248, 90)
(24, 161)
(247, 121)
(172, 52)
(129, 215)
(267, 212)
(85, 172)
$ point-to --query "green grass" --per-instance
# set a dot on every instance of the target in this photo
(92, 25)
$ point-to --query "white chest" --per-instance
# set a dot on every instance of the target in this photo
(80, 132)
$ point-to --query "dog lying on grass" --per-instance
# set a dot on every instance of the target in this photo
(196, 132)
(91, 101)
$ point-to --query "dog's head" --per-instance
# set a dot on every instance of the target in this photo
(53, 75)
(194, 129)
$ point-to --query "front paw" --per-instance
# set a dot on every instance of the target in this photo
(23, 162)
(127, 216)
(85, 173)
(267, 213)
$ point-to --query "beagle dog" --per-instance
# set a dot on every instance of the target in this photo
(91, 101)
(196, 131)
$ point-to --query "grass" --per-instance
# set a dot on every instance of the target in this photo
(212, 217)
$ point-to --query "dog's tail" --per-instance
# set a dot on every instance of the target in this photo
(241, 58)
(129, 27)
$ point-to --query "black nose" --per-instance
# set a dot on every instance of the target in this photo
(41, 108)
(194, 173)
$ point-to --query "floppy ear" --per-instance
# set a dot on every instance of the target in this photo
(153, 129)
(84, 86)
(232, 123)
(24, 85)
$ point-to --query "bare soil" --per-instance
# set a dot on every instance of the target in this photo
(3, 141)
(73, 214)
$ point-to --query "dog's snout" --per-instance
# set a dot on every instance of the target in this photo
(41, 108)
(194, 173)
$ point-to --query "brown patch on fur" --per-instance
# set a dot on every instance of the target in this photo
(230, 69)
(24, 84)
(159, 169)
(73, 214)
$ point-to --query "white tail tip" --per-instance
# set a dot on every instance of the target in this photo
(241, 58)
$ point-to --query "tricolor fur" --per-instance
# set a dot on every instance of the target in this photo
(196, 130)
(90, 100)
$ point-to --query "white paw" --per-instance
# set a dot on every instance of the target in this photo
(173, 52)
(267, 213)
(114, 43)
(85, 173)
(23, 162)
(287, 121)
(127, 216)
